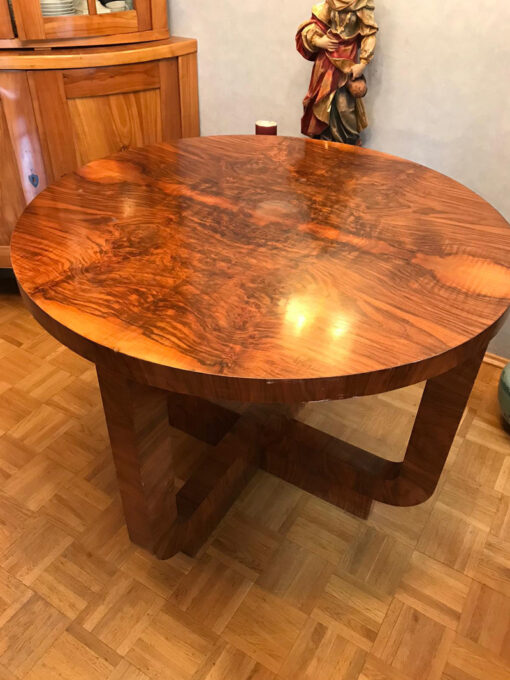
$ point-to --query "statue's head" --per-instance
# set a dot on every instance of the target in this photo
(339, 5)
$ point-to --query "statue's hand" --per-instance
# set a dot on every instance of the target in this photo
(357, 71)
(326, 43)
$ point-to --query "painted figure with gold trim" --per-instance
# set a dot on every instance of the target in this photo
(340, 38)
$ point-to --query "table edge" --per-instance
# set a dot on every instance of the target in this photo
(261, 390)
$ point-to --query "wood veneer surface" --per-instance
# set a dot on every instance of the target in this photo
(265, 268)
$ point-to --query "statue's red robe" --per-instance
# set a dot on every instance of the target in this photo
(352, 24)
(326, 76)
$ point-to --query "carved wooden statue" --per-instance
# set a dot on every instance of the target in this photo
(340, 38)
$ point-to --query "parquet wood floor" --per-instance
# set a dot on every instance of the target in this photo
(288, 587)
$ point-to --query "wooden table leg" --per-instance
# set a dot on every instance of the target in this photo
(352, 478)
(136, 416)
(200, 418)
(437, 421)
(159, 518)
(315, 462)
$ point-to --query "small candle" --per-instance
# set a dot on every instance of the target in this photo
(266, 127)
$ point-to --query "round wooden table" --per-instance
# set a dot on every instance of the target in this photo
(264, 270)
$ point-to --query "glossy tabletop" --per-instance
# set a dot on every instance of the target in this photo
(265, 262)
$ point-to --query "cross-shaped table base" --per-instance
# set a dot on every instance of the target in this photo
(164, 520)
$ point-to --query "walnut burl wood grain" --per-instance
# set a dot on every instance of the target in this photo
(264, 269)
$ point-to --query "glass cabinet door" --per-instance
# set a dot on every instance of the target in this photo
(68, 19)
(59, 8)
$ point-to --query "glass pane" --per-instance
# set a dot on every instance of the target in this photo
(59, 8)
(117, 5)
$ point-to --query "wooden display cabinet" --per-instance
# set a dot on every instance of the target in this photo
(75, 92)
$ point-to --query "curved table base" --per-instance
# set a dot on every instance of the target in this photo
(166, 520)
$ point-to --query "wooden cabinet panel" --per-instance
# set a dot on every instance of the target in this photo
(188, 87)
(53, 122)
(19, 112)
(171, 123)
(98, 24)
(29, 19)
(85, 114)
(93, 82)
(6, 29)
(120, 121)
(12, 200)
(159, 17)
(143, 11)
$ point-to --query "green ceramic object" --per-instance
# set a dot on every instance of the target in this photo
(504, 394)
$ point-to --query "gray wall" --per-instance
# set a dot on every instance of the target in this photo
(438, 87)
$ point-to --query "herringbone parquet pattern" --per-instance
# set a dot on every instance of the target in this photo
(288, 586)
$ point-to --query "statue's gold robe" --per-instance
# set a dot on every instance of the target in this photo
(330, 111)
